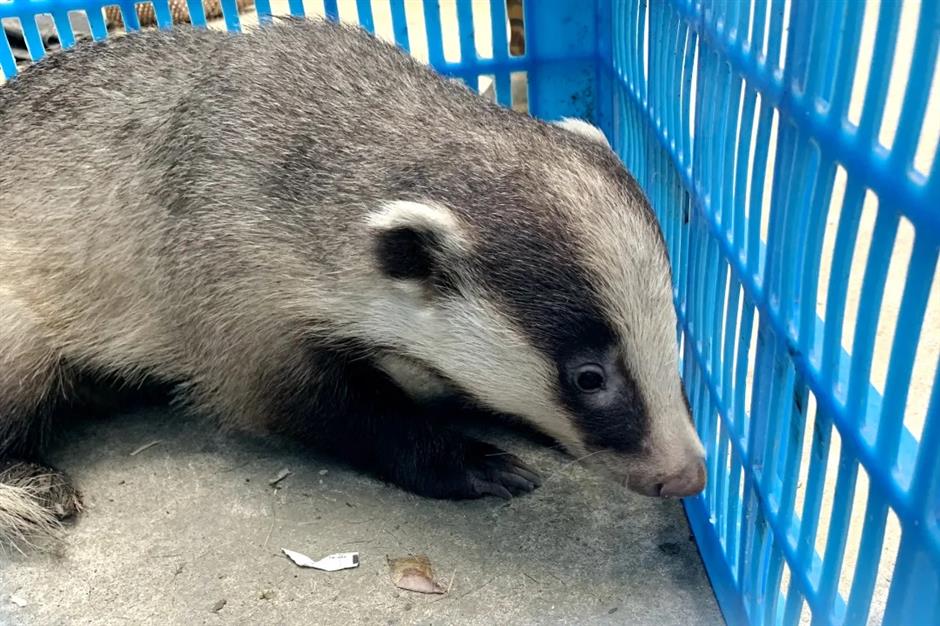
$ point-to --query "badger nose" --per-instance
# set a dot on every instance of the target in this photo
(688, 482)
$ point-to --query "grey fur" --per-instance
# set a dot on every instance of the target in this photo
(200, 208)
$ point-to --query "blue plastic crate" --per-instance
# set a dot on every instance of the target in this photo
(699, 98)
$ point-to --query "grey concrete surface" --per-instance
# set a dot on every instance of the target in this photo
(171, 532)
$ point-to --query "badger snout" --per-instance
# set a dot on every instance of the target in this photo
(687, 481)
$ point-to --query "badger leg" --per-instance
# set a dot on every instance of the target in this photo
(355, 412)
(33, 498)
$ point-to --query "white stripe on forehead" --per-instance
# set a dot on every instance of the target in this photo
(623, 257)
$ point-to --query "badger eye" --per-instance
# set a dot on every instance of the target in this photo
(589, 378)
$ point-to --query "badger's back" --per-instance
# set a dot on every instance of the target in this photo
(187, 168)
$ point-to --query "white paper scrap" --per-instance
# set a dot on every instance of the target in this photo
(331, 563)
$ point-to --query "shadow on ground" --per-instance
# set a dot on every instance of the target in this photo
(172, 532)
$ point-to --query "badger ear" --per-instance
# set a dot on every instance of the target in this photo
(412, 239)
(580, 127)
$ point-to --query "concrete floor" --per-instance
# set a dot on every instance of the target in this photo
(170, 533)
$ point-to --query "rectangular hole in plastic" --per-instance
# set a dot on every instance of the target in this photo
(693, 93)
(787, 586)
(806, 615)
(866, 49)
(716, 432)
(889, 556)
(449, 31)
(829, 490)
(23, 50)
(755, 124)
(147, 15)
(315, 8)
(925, 363)
(776, 129)
(854, 536)
(417, 31)
(719, 342)
(853, 293)
(809, 432)
(482, 32)
(750, 27)
(348, 11)
(900, 71)
(81, 28)
(890, 305)
(48, 32)
(785, 34)
(645, 43)
(114, 17)
(740, 126)
(929, 141)
(768, 11)
(382, 18)
(749, 382)
(516, 17)
(829, 239)
(682, 347)
(519, 82)
(486, 86)
(736, 356)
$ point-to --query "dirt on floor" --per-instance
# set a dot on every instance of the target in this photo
(190, 530)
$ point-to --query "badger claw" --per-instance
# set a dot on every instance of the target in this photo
(490, 471)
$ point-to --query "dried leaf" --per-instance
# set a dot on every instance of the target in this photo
(413, 573)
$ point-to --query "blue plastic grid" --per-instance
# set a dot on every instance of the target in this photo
(698, 100)
(699, 188)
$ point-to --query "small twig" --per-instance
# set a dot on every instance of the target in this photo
(236, 467)
(146, 446)
(486, 584)
(273, 518)
(451, 583)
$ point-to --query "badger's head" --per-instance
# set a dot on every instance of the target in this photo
(543, 289)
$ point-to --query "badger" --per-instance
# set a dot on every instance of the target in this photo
(307, 233)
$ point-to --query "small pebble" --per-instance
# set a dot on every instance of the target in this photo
(218, 605)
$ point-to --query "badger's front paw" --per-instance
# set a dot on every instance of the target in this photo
(492, 472)
(465, 469)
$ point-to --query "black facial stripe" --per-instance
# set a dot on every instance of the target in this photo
(622, 426)
(541, 282)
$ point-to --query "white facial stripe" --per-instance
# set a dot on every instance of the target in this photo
(475, 345)
(504, 370)
(629, 268)
(417, 381)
